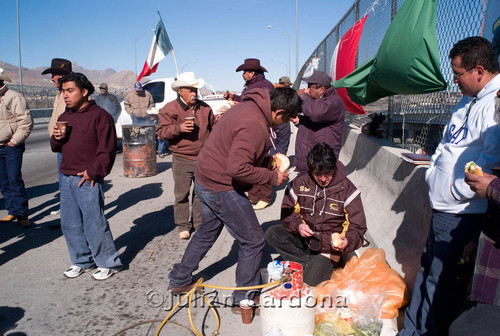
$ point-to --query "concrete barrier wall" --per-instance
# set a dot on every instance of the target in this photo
(395, 199)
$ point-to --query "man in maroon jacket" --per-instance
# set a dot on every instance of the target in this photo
(186, 123)
(88, 145)
(228, 164)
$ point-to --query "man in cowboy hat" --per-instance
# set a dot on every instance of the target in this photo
(58, 68)
(186, 123)
(279, 139)
(137, 103)
(15, 127)
(108, 102)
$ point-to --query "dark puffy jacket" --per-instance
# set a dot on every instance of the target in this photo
(325, 211)
(322, 121)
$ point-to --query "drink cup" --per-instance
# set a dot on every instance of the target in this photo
(63, 126)
(191, 119)
(246, 311)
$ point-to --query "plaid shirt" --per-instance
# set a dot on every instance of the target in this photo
(486, 281)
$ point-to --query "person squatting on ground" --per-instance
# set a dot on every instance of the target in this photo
(322, 119)
(471, 135)
(253, 74)
(319, 203)
(58, 68)
(89, 147)
(137, 103)
(186, 138)
(482, 319)
(228, 165)
(15, 127)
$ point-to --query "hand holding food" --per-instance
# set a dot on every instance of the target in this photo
(339, 242)
(280, 162)
(472, 168)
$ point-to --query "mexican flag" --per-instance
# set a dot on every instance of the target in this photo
(407, 61)
(344, 61)
(160, 48)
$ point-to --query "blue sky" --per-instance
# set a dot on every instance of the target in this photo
(210, 37)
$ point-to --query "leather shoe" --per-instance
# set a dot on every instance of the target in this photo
(181, 290)
(8, 218)
(24, 221)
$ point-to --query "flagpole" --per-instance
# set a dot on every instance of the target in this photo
(173, 54)
(175, 61)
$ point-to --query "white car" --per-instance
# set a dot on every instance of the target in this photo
(161, 90)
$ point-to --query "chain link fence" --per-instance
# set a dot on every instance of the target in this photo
(414, 122)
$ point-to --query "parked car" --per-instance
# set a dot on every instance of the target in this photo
(161, 90)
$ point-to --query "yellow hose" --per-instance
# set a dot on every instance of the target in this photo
(190, 294)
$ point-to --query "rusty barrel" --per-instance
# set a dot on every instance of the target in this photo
(139, 150)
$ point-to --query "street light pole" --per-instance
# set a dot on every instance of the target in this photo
(19, 49)
(288, 36)
(135, 48)
(296, 38)
(277, 60)
(193, 61)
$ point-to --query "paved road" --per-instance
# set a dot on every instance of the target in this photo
(36, 299)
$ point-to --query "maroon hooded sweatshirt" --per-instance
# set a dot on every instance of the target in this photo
(237, 146)
(90, 143)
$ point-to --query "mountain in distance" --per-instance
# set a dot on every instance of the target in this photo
(117, 80)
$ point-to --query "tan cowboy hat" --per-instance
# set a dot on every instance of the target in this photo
(3, 77)
(187, 80)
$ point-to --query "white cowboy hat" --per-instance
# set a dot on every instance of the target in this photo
(3, 77)
(187, 79)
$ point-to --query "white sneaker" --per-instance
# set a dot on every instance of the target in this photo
(75, 271)
(104, 273)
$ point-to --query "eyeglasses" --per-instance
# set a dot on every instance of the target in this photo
(455, 76)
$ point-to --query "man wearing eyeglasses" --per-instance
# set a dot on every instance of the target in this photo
(471, 135)
(323, 118)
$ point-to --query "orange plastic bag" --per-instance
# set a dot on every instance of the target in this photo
(373, 276)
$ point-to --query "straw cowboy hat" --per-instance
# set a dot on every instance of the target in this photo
(251, 64)
(3, 77)
(187, 80)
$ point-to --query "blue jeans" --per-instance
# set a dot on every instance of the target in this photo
(162, 146)
(60, 175)
(11, 180)
(232, 209)
(441, 283)
(84, 225)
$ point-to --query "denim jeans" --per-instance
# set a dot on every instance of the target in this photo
(60, 175)
(232, 209)
(317, 268)
(84, 225)
(441, 283)
(162, 146)
(11, 180)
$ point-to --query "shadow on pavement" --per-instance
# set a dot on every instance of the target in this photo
(28, 238)
(145, 229)
(266, 254)
(8, 318)
(132, 197)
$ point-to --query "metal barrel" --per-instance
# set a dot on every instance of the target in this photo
(139, 150)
